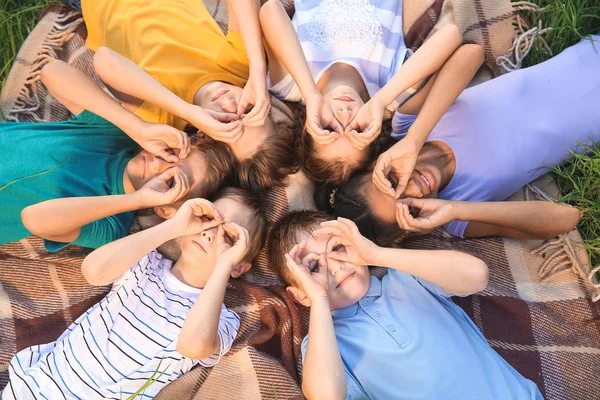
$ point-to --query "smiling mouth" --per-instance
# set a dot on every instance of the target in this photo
(346, 99)
(345, 280)
(427, 180)
(199, 245)
(221, 93)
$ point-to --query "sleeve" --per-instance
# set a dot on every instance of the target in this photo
(400, 124)
(145, 266)
(404, 279)
(229, 324)
(354, 389)
(456, 228)
(285, 89)
(98, 233)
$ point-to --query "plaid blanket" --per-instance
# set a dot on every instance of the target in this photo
(548, 329)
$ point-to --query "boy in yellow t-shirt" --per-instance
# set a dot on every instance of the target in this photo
(170, 63)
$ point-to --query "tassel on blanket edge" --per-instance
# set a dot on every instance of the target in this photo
(27, 101)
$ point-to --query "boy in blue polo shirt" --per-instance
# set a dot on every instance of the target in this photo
(400, 337)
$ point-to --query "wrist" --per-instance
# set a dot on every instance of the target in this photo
(135, 129)
(224, 264)
(138, 201)
(377, 260)
(313, 95)
(414, 138)
(322, 299)
(459, 211)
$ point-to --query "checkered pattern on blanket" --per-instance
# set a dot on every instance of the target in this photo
(547, 329)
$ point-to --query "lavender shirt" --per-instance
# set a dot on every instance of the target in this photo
(506, 132)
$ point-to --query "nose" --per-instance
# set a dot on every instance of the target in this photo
(229, 104)
(344, 115)
(209, 235)
(159, 165)
(334, 266)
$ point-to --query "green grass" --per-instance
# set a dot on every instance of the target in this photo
(579, 179)
(17, 19)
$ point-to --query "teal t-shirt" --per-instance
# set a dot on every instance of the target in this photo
(82, 157)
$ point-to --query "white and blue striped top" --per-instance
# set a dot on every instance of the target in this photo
(364, 34)
(111, 350)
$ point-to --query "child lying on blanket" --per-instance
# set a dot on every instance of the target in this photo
(495, 138)
(79, 181)
(160, 318)
(400, 337)
(175, 65)
(347, 60)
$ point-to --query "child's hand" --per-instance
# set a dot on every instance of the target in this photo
(357, 249)
(195, 216)
(317, 116)
(224, 127)
(434, 213)
(255, 93)
(399, 160)
(313, 284)
(232, 243)
(366, 125)
(165, 188)
(161, 140)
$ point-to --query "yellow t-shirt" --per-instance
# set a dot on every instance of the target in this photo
(177, 42)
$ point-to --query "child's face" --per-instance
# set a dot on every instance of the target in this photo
(201, 247)
(347, 282)
(344, 103)
(145, 166)
(224, 98)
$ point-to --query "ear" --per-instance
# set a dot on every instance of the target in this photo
(241, 269)
(165, 212)
(298, 295)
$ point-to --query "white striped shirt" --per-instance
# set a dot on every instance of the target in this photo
(364, 34)
(112, 350)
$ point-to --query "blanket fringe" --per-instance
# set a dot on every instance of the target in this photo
(63, 30)
(561, 254)
(526, 37)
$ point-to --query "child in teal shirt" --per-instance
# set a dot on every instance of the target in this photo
(80, 181)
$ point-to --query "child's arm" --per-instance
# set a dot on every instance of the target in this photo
(125, 76)
(61, 220)
(449, 83)
(79, 92)
(108, 263)
(428, 59)
(199, 337)
(323, 375)
(245, 13)
(518, 219)
(455, 272)
(282, 40)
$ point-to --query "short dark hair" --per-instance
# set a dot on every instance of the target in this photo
(348, 201)
(259, 225)
(219, 165)
(283, 237)
(272, 162)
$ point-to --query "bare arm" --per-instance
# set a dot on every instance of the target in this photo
(518, 219)
(451, 80)
(323, 375)
(61, 219)
(283, 42)
(246, 14)
(79, 92)
(199, 336)
(425, 61)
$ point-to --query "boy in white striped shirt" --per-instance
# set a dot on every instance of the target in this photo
(159, 316)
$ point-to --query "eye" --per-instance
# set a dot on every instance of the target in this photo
(229, 239)
(339, 247)
(314, 266)
(171, 182)
(394, 183)
(171, 151)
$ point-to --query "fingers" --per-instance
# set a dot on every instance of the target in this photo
(332, 243)
(180, 187)
(241, 108)
(223, 117)
(229, 133)
(259, 114)
(380, 172)
(404, 219)
(168, 156)
(320, 135)
(204, 208)
(296, 251)
(401, 185)
(238, 233)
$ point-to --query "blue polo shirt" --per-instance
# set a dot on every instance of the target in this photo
(406, 339)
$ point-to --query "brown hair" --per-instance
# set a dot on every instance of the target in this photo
(219, 165)
(259, 221)
(283, 237)
(272, 162)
